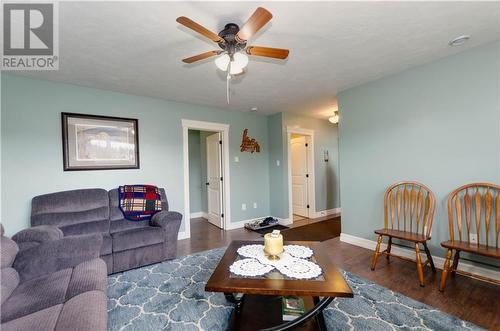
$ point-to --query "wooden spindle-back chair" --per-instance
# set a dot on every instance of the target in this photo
(475, 210)
(408, 215)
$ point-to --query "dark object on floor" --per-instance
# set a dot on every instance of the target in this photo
(265, 230)
(52, 282)
(126, 245)
(319, 231)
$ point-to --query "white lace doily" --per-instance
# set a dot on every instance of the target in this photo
(291, 263)
(301, 252)
(251, 250)
(300, 268)
(250, 267)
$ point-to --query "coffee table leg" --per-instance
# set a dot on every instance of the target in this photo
(236, 299)
(319, 318)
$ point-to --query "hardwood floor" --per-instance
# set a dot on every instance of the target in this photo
(464, 297)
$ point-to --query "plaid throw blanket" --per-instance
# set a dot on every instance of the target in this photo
(139, 202)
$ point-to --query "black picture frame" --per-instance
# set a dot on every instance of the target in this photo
(69, 163)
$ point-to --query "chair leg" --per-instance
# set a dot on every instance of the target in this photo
(376, 253)
(389, 245)
(446, 270)
(420, 269)
(455, 263)
(429, 257)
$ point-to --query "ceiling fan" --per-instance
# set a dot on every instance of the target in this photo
(233, 42)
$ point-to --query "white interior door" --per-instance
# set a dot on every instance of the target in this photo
(299, 176)
(214, 183)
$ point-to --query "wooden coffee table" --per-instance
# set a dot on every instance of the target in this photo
(260, 305)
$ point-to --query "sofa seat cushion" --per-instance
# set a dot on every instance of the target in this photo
(9, 281)
(87, 276)
(37, 294)
(135, 238)
(107, 244)
(84, 312)
(45, 319)
(124, 225)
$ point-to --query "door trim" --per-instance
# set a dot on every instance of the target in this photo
(214, 127)
(310, 165)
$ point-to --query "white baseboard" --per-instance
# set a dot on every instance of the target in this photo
(182, 235)
(438, 261)
(284, 221)
(200, 214)
(326, 212)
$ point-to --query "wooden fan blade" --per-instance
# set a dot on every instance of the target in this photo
(277, 53)
(200, 56)
(258, 19)
(198, 28)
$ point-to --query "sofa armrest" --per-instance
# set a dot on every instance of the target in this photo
(166, 219)
(170, 222)
(31, 237)
(51, 256)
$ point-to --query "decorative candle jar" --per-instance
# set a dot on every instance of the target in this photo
(273, 245)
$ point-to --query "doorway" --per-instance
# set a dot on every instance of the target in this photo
(301, 173)
(206, 174)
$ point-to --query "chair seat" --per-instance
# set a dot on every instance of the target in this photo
(405, 235)
(484, 250)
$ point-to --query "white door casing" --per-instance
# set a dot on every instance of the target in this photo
(299, 176)
(214, 127)
(214, 175)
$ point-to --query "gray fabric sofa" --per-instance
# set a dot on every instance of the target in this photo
(52, 282)
(126, 244)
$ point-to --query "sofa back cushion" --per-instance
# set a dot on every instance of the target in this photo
(118, 222)
(74, 212)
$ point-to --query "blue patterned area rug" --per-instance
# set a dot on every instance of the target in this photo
(170, 296)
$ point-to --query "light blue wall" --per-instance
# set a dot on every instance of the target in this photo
(327, 189)
(195, 177)
(438, 124)
(277, 176)
(32, 153)
(198, 170)
(203, 150)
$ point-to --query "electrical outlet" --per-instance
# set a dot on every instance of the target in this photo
(473, 238)
(255, 204)
(323, 213)
(243, 206)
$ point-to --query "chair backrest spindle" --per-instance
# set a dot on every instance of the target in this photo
(482, 204)
(415, 202)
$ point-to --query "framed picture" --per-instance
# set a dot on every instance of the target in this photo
(93, 142)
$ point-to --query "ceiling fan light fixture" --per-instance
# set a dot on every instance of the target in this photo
(240, 60)
(235, 69)
(222, 62)
(335, 118)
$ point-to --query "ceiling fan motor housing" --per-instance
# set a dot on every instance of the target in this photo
(230, 44)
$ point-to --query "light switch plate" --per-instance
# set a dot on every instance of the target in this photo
(255, 204)
(243, 206)
(236, 159)
(277, 163)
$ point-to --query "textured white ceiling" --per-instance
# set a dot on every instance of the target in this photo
(137, 47)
